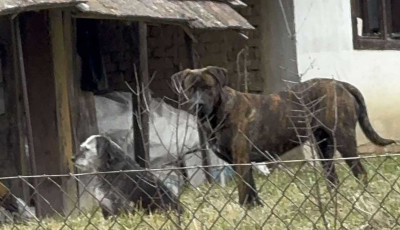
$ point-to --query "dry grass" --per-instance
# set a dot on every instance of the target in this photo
(290, 202)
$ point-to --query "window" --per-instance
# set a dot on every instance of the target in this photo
(376, 24)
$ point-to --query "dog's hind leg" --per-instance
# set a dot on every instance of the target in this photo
(347, 146)
(108, 208)
(325, 150)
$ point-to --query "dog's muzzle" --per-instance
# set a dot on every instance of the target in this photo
(198, 109)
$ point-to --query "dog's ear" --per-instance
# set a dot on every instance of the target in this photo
(177, 81)
(220, 74)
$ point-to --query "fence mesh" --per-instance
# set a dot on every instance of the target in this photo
(294, 195)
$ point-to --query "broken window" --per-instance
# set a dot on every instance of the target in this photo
(376, 24)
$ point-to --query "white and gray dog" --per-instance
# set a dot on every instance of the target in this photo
(13, 208)
(117, 191)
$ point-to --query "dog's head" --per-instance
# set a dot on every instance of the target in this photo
(99, 153)
(202, 87)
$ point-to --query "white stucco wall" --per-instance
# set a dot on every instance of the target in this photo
(324, 43)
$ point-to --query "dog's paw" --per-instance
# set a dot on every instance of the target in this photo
(253, 202)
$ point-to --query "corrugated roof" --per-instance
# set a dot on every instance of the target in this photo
(200, 14)
(14, 6)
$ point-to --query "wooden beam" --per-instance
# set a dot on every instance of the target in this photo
(141, 120)
(27, 110)
(61, 74)
(43, 100)
(15, 114)
(60, 34)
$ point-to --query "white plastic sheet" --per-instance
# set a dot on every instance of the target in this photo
(171, 132)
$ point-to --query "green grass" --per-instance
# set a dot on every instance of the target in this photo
(290, 202)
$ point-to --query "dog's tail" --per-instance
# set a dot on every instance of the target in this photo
(363, 119)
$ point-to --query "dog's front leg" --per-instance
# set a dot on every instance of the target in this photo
(247, 189)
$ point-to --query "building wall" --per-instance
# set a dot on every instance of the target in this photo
(168, 52)
(325, 49)
(219, 48)
(167, 55)
(256, 78)
(254, 14)
(119, 50)
(278, 44)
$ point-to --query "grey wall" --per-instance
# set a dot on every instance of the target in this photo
(278, 44)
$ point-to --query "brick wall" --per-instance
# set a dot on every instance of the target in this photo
(168, 54)
(118, 43)
(222, 47)
(253, 14)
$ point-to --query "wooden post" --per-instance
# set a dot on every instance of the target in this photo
(60, 33)
(31, 146)
(205, 155)
(15, 111)
(82, 110)
(42, 36)
(141, 121)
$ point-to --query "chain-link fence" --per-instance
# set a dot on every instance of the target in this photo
(293, 195)
(155, 166)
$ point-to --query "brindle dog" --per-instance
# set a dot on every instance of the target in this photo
(241, 126)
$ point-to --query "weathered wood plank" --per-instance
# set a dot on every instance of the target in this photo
(41, 105)
(16, 142)
(15, 6)
(60, 33)
(141, 121)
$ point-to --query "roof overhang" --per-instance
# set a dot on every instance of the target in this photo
(17, 6)
(196, 14)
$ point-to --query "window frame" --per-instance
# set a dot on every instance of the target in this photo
(373, 43)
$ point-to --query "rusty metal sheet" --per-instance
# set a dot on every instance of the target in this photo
(15, 6)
